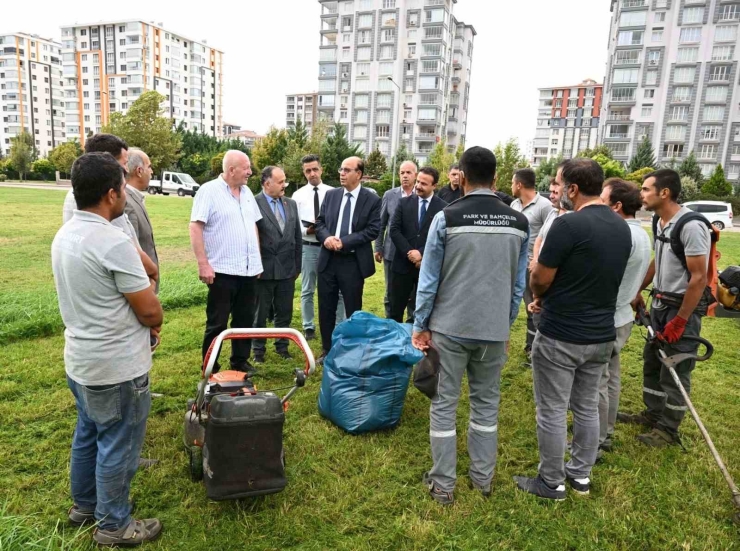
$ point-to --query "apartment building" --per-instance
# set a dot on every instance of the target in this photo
(247, 137)
(303, 106)
(567, 121)
(108, 65)
(395, 72)
(673, 76)
(31, 96)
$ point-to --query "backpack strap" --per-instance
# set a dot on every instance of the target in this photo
(675, 240)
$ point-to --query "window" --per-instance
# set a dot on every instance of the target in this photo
(633, 19)
(363, 69)
(630, 38)
(659, 17)
(647, 110)
(672, 150)
(690, 35)
(730, 12)
(719, 73)
(687, 55)
(725, 33)
(679, 113)
(363, 53)
(433, 32)
(653, 57)
(388, 20)
(649, 94)
(682, 93)
(385, 68)
(657, 35)
(625, 76)
(427, 114)
(389, 4)
(708, 152)
(361, 101)
(627, 57)
(383, 116)
(83, 57)
(685, 74)
(675, 133)
(362, 85)
(388, 35)
(651, 77)
(710, 133)
(364, 37)
(723, 53)
(434, 16)
(384, 100)
(714, 113)
(346, 38)
(346, 53)
(387, 52)
(360, 132)
(693, 15)
(429, 83)
(365, 21)
(717, 94)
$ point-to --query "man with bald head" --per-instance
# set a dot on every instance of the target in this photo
(138, 175)
(385, 250)
(225, 240)
(347, 225)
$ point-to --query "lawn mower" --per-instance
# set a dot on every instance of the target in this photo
(233, 433)
(670, 362)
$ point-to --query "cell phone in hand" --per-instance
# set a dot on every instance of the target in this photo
(154, 342)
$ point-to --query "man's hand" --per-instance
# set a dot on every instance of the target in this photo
(673, 330)
(333, 243)
(532, 264)
(378, 257)
(310, 230)
(535, 307)
(417, 265)
(637, 302)
(421, 341)
(206, 273)
(414, 256)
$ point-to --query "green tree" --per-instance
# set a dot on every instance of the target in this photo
(509, 159)
(298, 134)
(689, 190)
(717, 184)
(217, 163)
(689, 167)
(21, 153)
(547, 170)
(638, 175)
(459, 151)
(64, 155)
(612, 168)
(270, 150)
(334, 150)
(441, 159)
(375, 165)
(143, 126)
(44, 168)
(644, 156)
(598, 150)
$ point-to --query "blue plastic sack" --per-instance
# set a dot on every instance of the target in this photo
(366, 373)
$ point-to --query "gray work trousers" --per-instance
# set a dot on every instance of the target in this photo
(482, 363)
(533, 320)
(566, 373)
(410, 308)
(611, 386)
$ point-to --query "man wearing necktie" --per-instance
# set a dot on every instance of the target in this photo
(348, 224)
(280, 248)
(408, 230)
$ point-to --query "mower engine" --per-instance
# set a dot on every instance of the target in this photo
(728, 290)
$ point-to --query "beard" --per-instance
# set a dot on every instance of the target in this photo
(566, 203)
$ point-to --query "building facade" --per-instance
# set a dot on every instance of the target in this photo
(108, 65)
(395, 72)
(31, 96)
(247, 137)
(567, 121)
(673, 77)
(301, 106)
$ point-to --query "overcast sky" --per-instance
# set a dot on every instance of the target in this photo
(272, 49)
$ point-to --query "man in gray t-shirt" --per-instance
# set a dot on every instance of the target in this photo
(665, 407)
(110, 311)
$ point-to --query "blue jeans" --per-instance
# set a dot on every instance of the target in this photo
(111, 423)
(309, 277)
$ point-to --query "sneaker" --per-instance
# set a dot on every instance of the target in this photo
(438, 495)
(259, 358)
(581, 486)
(136, 533)
(78, 517)
(310, 334)
(485, 490)
(539, 488)
(657, 438)
(636, 419)
(284, 354)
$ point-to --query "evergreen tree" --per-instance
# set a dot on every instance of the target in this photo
(441, 159)
(509, 159)
(334, 150)
(598, 150)
(375, 165)
(298, 134)
(546, 170)
(689, 167)
(717, 184)
(270, 150)
(644, 156)
(21, 153)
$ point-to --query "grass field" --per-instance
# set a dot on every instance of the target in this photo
(344, 492)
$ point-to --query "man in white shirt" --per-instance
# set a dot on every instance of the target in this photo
(225, 240)
(309, 199)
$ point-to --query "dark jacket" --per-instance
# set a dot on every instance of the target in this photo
(281, 251)
(365, 224)
(406, 233)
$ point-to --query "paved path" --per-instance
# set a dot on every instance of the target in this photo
(34, 186)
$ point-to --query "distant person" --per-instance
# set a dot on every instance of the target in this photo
(348, 224)
(309, 199)
(281, 250)
(110, 312)
(408, 230)
(675, 313)
(385, 250)
(536, 208)
(137, 182)
(225, 240)
(624, 199)
(576, 281)
(452, 191)
(474, 245)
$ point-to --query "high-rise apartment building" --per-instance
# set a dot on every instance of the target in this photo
(673, 76)
(567, 121)
(395, 72)
(31, 97)
(303, 106)
(108, 65)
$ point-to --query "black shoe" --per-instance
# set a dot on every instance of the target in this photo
(581, 486)
(284, 354)
(310, 334)
(636, 419)
(608, 444)
(539, 488)
(320, 359)
(245, 367)
(259, 358)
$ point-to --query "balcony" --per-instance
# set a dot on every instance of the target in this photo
(456, 64)
(618, 118)
(617, 136)
(634, 3)
(426, 136)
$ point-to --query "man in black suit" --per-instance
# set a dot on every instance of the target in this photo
(281, 251)
(409, 229)
(348, 224)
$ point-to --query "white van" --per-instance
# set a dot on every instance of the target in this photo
(174, 182)
(717, 212)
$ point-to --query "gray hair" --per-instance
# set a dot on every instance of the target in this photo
(135, 160)
(232, 157)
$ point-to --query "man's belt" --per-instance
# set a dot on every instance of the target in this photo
(311, 243)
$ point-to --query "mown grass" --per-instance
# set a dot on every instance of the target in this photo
(364, 492)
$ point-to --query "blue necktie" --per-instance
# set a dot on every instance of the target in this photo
(278, 214)
(344, 230)
(423, 212)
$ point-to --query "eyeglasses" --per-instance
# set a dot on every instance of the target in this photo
(346, 170)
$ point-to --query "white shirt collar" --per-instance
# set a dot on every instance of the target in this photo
(130, 188)
(355, 193)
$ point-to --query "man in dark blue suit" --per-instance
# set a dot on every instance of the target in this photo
(409, 229)
(348, 224)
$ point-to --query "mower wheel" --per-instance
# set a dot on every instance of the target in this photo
(195, 456)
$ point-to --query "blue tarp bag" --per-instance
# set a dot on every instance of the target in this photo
(366, 374)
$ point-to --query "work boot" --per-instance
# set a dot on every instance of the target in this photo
(657, 438)
(438, 495)
(259, 358)
(78, 517)
(540, 488)
(136, 533)
(636, 419)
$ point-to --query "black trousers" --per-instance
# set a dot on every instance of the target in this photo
(233, 296)
(275, 295)
(342, 273)
(403, 295)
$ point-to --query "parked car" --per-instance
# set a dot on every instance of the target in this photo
(717, 212)
(174, 182)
